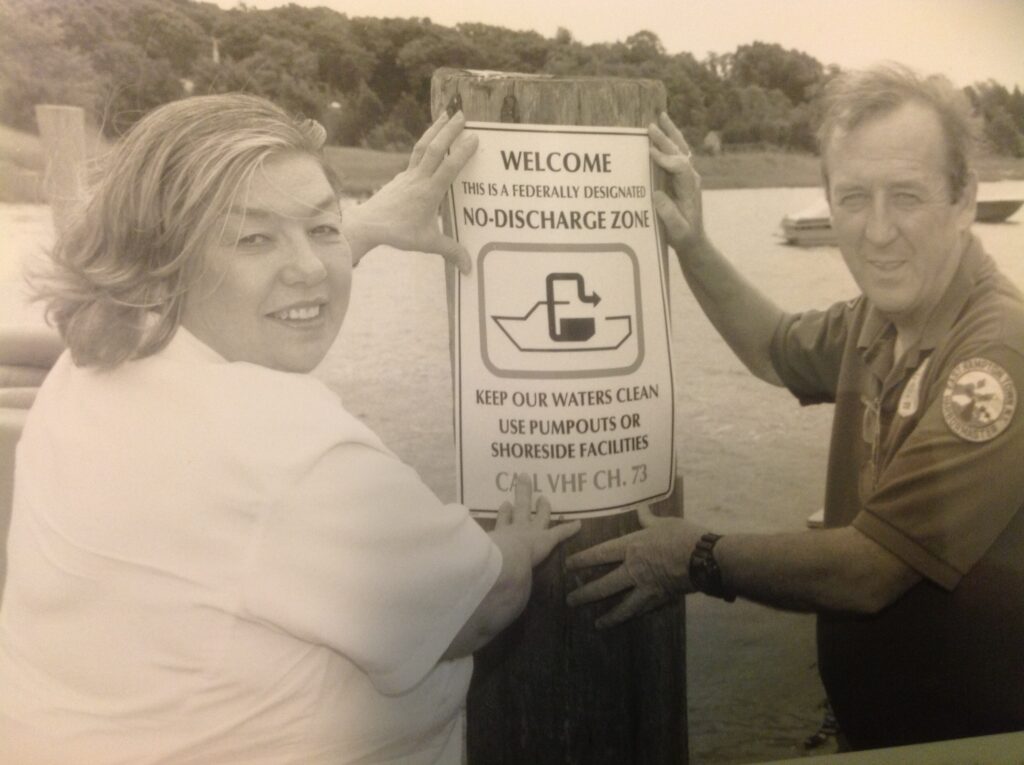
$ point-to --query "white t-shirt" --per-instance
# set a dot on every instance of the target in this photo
(214, 562)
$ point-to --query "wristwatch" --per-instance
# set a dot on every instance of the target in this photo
(705, 574)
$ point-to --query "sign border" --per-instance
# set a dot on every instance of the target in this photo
(456, 345)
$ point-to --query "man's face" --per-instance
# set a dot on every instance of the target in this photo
(900, 232)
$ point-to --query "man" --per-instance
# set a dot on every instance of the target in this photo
(918, 577)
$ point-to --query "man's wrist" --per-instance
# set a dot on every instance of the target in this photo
(698, 250)
(705, 573)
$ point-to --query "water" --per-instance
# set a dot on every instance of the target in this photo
(751, 458)
(392, 355)
(391, 360)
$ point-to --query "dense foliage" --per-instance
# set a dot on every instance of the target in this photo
(368, 79)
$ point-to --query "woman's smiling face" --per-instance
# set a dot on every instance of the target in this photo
(276, 275)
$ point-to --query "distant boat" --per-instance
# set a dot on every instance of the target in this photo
(997, 210)
(812, 226)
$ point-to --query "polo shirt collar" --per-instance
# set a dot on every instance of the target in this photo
(955, 297)
(873, 328)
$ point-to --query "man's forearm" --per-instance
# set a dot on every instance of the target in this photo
(744, 317)
(829, 569)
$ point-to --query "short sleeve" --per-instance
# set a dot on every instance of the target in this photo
(362, 557)
(807, 350)
(950, 491)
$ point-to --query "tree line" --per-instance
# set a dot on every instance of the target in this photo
(368, 79)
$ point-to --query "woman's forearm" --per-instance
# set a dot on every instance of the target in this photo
(502, 604)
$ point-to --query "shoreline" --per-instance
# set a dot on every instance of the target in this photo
(363, 171)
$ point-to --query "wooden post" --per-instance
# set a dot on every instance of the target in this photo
(553, 689)
(62, 131)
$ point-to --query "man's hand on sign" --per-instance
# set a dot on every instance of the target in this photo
(655, 567)
(403, 214)
(680, 206)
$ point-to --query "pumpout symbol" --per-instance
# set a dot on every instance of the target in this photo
(570, 322)
(568, 328)
(559, 310)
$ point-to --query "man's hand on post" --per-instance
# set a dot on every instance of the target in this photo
(403, 213)
(655, 567)
(680, 207)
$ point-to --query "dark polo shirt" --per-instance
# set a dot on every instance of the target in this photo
(926, 459)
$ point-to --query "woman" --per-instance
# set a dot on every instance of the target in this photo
(211, 561)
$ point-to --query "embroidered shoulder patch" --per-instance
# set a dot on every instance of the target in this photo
(979, 400)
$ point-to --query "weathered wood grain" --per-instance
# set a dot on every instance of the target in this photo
(553, 689)
(62, 133)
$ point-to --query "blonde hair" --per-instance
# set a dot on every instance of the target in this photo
(855, 97)
(120, 269)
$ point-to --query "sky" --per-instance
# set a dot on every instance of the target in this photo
(967, 40)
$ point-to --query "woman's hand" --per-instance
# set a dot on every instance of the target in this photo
(525, 523)
(680, 207)
(403, 213)
(524, 538)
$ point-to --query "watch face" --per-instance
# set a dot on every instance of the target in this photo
(704, 572)
(699, 570)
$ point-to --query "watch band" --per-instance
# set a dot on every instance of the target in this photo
(705, 575)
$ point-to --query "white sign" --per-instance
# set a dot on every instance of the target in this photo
(562, 351)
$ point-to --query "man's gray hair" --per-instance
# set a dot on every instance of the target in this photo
(855, 97)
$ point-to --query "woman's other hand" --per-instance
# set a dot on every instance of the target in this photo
(525, 522)
(403, 213)
(523, 535)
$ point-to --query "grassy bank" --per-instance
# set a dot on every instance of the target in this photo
(363, 171)
(758, 170)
